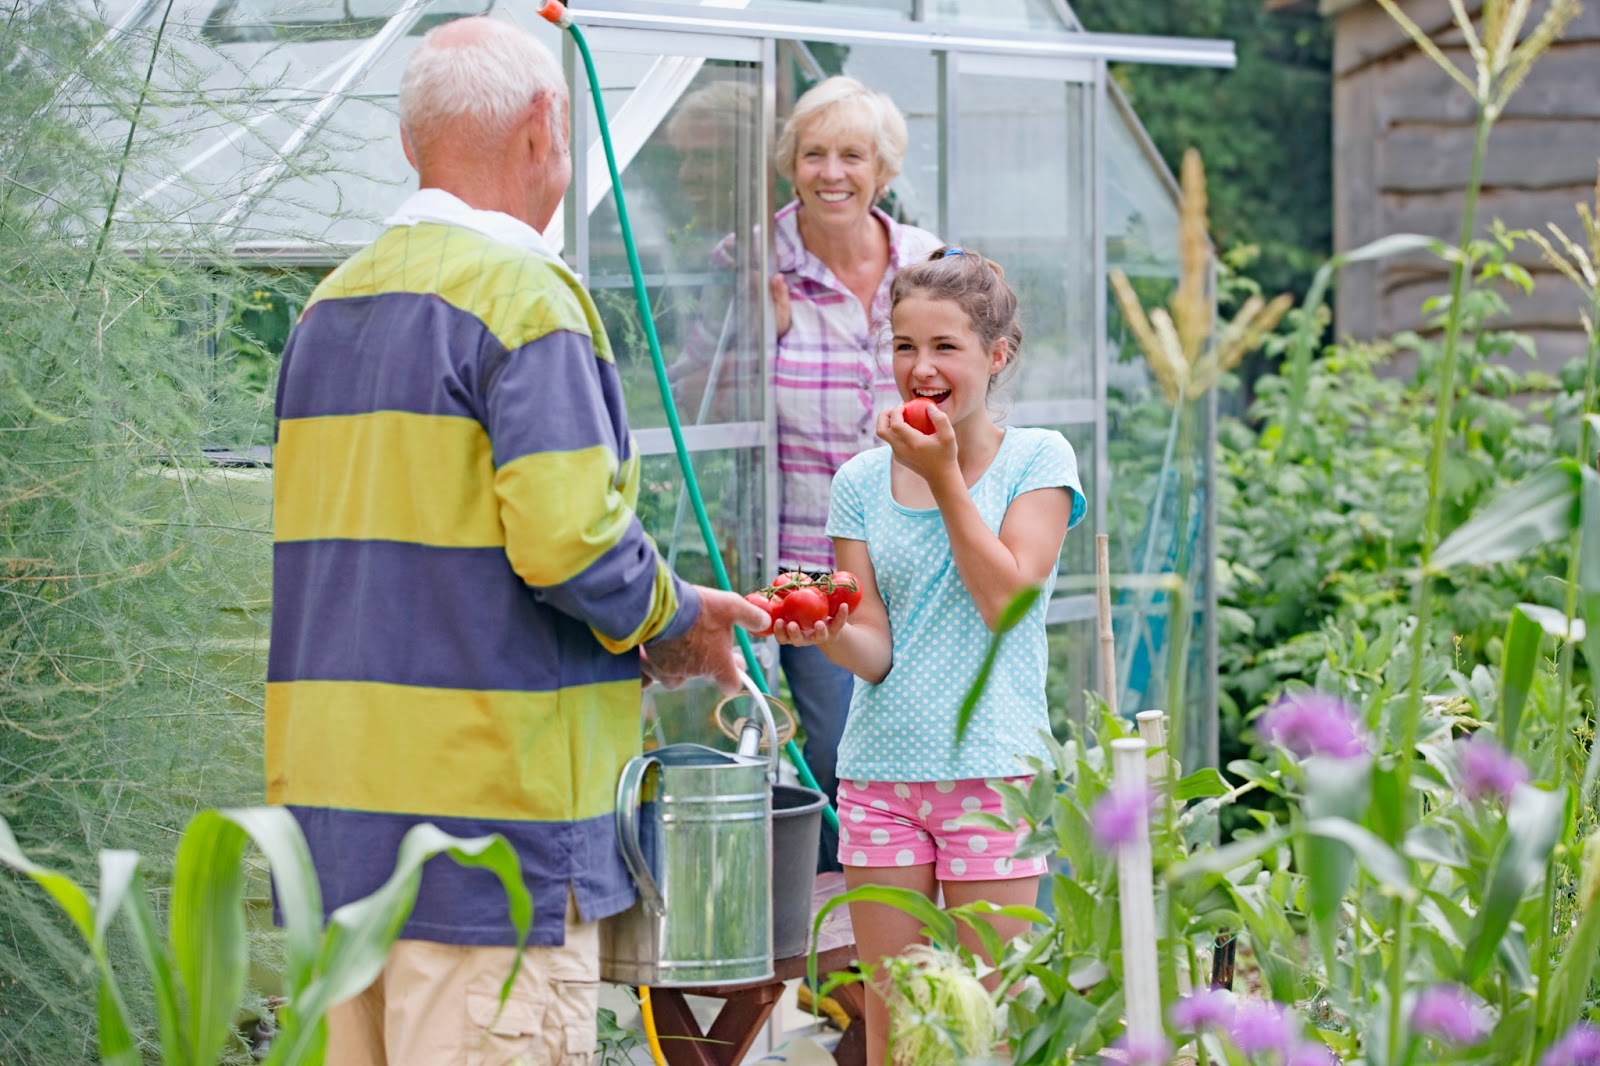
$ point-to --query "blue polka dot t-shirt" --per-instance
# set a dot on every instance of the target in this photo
(903, 729)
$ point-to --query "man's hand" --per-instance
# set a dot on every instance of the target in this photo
(708, 648)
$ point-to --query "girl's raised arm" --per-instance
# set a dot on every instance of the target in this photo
(995, 569)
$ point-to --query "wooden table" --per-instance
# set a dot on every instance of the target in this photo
(746, 1007)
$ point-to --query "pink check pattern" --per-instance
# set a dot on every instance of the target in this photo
(832, 376)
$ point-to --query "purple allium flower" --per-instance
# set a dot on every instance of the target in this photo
(1211, 1008)
(1447, 1013)
(1310, 723)
(1580, 1047)
(1486, 769)
(1261, 1026)
(1311, 1053)
(1144, 1050)
(1116, 817)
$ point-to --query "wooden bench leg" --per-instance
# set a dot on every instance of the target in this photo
(682, 1043)
(738, 1022)
(852, 1047)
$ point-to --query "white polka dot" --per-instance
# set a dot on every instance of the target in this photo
(903, 791)
(978, 843)
(880, 837)
(925, 810)
(922, 834)
(972, 803)
(904, 857)
(858, 859)
(844, 835)
(958, 866)
(946, 787)
(880, 805)
(858, 814)
(1002, 866)
(951, 825)
(859, 786)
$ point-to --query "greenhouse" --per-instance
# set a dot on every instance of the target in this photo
(290, 159)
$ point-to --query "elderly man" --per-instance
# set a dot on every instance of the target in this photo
(461, 588)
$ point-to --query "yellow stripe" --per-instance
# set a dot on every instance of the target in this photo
(518, 295)
(552, 544)
(365, 746)
(390, 475)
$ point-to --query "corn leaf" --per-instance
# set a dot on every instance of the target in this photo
(1533, 825)
(1014, 612)
(1517, 663)
(1540, 510)
(208, 931)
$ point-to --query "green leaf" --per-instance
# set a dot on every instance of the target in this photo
(941, 926)
(72, 900)
(1377, 858)
(1589, 597)
(1225, 858)
(1521, 656)
(209, 947)
(1534, 821)
(169, 1008)
(1393, 244)
(1014, 612)
(277, 835)
(1538, 511)
(1201, 784)
(1569, 985)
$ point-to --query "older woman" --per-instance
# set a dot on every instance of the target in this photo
(837, 255)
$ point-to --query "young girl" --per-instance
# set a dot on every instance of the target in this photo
(943, 531)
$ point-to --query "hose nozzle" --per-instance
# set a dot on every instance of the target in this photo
(555, 11)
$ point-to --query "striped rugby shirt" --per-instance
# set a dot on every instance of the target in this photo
(832, 375)
(460, 582)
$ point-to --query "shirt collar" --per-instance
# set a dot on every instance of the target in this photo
(436, 205)
(793, 257)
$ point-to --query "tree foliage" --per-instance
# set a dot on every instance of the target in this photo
(1263, 127)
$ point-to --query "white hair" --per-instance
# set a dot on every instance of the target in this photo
(839, 106)
(487, 76)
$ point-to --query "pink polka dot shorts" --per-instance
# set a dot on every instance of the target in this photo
(920, 822)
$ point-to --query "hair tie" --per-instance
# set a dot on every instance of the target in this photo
(948, 252)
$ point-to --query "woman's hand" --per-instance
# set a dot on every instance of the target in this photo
(781, 314)
(824, 632)
(931, 457)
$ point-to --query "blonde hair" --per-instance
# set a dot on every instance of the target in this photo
(843, 104)
(975, 284)
(480, 70)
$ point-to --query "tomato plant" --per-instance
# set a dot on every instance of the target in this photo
(786, 583)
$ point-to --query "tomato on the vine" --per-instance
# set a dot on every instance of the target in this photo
(805, 607)
(844, 590)
(766, 603)
(915, 412)
(786, 583)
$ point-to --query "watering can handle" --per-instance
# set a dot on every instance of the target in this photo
(767, 720)
(629, 786)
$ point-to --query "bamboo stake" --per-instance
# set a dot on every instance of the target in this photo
(1153, 731)
(1108, 640)
(1141, 983)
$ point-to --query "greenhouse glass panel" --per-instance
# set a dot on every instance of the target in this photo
(688, 133)
(1034, 213)
(731, 485)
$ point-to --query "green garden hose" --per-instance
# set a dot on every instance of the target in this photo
(556, 13)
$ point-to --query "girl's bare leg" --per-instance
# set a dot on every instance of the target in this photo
(883, 931)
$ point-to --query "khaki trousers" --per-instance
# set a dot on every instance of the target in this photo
(439, 1005)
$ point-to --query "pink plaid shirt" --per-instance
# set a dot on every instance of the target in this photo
(833, 374)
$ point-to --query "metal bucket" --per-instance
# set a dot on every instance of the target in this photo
(695, 828)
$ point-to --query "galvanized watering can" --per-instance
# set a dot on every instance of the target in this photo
(695, 828)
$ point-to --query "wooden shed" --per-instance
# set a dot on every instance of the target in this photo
(1403, 134)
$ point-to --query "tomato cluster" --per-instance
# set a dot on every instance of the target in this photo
(798, 598)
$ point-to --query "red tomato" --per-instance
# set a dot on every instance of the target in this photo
(805, 607)
(786, 583)
(766, 603)
(844, 590)
(915, 412)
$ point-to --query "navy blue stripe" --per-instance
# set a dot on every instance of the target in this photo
(553, 394)
(409, 614)
(354, 853)
(617, 591)
(397, 351)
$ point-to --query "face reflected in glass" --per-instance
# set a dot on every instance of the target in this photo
(836, 174)
(705, 172)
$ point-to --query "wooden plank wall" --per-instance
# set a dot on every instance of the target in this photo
(1402, 145)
